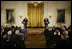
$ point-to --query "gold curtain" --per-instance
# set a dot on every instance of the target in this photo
(35, 15)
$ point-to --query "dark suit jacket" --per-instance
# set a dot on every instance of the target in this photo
(46, 21)
(15, 39)
(63, 44)
(25, 20)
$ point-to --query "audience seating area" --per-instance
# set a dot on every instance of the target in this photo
(14, 37)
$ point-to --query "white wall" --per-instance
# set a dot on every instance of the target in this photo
(20, 10)
(50, 7)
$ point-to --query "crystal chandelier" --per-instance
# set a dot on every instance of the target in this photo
(35, 3)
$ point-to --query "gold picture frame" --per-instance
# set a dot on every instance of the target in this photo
(61, 16)
(10, 16)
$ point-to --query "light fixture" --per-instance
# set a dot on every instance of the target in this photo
(36, 2)
(20, 15)
(50, 15)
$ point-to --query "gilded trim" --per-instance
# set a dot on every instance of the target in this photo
(6, 16)
(65, 17)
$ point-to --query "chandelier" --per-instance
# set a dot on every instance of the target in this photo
(36, 2)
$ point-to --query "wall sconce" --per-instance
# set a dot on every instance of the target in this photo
(50, 16)
(20, 16)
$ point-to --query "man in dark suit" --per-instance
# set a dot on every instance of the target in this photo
(46, 21)
(25, 21)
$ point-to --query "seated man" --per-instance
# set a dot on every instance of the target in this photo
(17, 41)
(4, 42)
(63, 42)
(7, 28)
(69, 32)
(57, 34)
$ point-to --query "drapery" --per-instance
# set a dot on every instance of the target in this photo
(35, 15)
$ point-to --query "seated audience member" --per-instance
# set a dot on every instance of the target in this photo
(63, 42)
(10, 39)
(17, 31)
(4, 43)
(59, 28)
(16, 27)
(53, 28)
(56, 35)
(69, 32)
(65, 27)
(3, 31)
(20, 29)
(65, 32)
(2, 28)
(9, 33)
(17, 41)
(7, 28)
(3, 34)
(51, 31)
(13, 29)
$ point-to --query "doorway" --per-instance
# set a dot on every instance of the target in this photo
(35, 15)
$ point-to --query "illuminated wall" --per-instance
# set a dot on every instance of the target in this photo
(50, 8)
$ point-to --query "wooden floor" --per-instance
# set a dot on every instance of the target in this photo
(32, 31)
(35, 38)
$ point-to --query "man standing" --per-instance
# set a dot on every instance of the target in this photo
(25, 22)
(46, 22)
